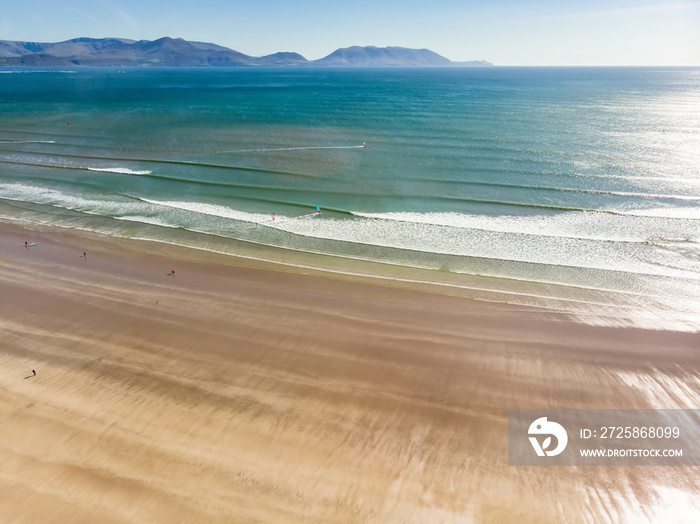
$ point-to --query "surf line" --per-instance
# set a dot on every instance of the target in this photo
(316, 213)
(3, 141)
(152, 160)
(265, 150)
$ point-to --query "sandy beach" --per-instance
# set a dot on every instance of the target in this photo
(234, 393)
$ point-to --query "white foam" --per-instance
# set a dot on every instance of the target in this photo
(506, 242)
(691, 213)
(146, 220)
(120, 170)
(27, 141)
(531, 244)
(106, 205)
(216, 210)
(572, 224)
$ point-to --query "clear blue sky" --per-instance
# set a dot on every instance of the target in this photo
(506, 32)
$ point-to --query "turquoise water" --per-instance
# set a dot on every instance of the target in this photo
(574, 188)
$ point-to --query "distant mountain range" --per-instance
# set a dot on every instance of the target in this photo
(122, 52)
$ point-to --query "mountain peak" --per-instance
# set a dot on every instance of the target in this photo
(369, 56)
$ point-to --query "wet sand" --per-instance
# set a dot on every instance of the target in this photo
(231, 393)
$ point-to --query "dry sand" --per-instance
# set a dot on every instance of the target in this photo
(239, 394)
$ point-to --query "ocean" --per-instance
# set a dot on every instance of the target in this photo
(574, 189)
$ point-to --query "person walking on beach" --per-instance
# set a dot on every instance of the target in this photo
(26, 245)
(34, 372)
